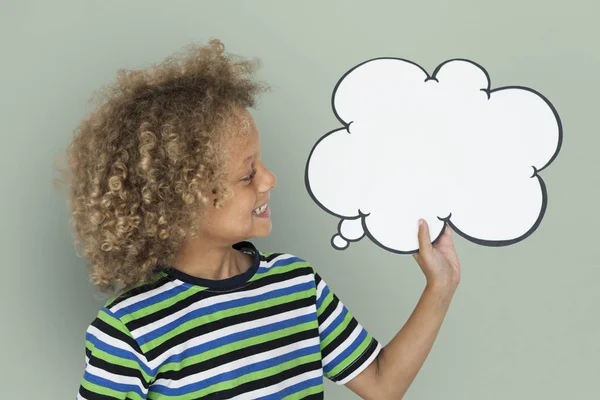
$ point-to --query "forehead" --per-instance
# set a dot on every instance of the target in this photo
(242, 140)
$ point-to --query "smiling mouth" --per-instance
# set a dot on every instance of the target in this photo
(260, 209)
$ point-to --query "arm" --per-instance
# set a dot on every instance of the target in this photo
(115, 366)
(397, 365)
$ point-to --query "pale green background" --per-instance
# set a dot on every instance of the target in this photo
(524, 322)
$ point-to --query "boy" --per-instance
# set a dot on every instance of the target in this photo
(167, 186)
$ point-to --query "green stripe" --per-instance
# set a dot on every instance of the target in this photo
(130, 288)
(337, 331)
(280, 269)
(306, 392)
(192, 290)
(325, 303)
(151, 309)
(248, 377)
(115, 360)
(114, 322)
(227, 348)
(218, 315)
(352, 357)
(109, 392)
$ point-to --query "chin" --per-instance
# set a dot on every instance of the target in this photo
(263, 231)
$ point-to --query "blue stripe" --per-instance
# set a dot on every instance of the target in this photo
(235, 374)
(336, 322)
(117, 352)
(346, 353)
(280, 263)
(119, 387)
(205, 311)
(324, 294)
(238, 336)
(167, 294)
(294, 389)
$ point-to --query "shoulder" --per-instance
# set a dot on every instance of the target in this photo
(132, 299)
(284, 265)
(282, 260)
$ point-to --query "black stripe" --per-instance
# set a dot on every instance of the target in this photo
(328, 310)
(94, 396)
(271, 257)
(318, 278)
(205, 294)
(264, 382)
(117, 334)
(178, 306)
(228, 321)
(238, 354)
(138, 290)
(340, 338)
(316, 396)
(115, 369)
(360, 361)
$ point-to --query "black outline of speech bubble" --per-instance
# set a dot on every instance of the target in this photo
(447, 219)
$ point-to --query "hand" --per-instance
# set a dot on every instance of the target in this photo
(438, 262)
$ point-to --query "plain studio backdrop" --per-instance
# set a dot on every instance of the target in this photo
(524, 323)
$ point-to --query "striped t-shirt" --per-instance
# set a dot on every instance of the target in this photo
(272, 332)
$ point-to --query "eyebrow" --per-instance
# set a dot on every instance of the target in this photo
(245, 163)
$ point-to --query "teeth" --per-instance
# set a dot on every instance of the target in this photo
(260, 210)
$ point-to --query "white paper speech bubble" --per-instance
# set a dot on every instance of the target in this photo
(445, 148)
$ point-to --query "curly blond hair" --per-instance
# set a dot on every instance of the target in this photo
(148, 160)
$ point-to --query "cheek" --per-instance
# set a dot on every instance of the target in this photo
(245, 203)
(251, 202)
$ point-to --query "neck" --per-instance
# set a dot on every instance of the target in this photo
(202, 259)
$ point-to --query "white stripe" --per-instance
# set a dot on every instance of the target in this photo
(281, 257)
(175, 283)
(320, 289)
(280, 386)
(338, 310)
(80, 397)
(146, 295)
(123, 379)
(233, 365)
(103, 337)
(362, 367)
(211, 301)
(154, 364)
(343, 346)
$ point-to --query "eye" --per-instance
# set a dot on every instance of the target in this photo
(250, 177)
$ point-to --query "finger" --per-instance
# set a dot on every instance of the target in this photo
(446, 239)
(425, 246)
(449, 230)
(447, 235)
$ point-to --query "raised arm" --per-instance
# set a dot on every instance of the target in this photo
(393, 371)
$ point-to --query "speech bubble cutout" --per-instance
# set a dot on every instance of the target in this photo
(445, 147)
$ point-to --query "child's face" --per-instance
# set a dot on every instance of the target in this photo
(246, 214)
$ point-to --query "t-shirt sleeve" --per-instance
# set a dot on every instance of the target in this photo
(346, 347)
(115, 367)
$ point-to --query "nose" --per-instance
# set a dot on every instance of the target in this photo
(269, 181)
